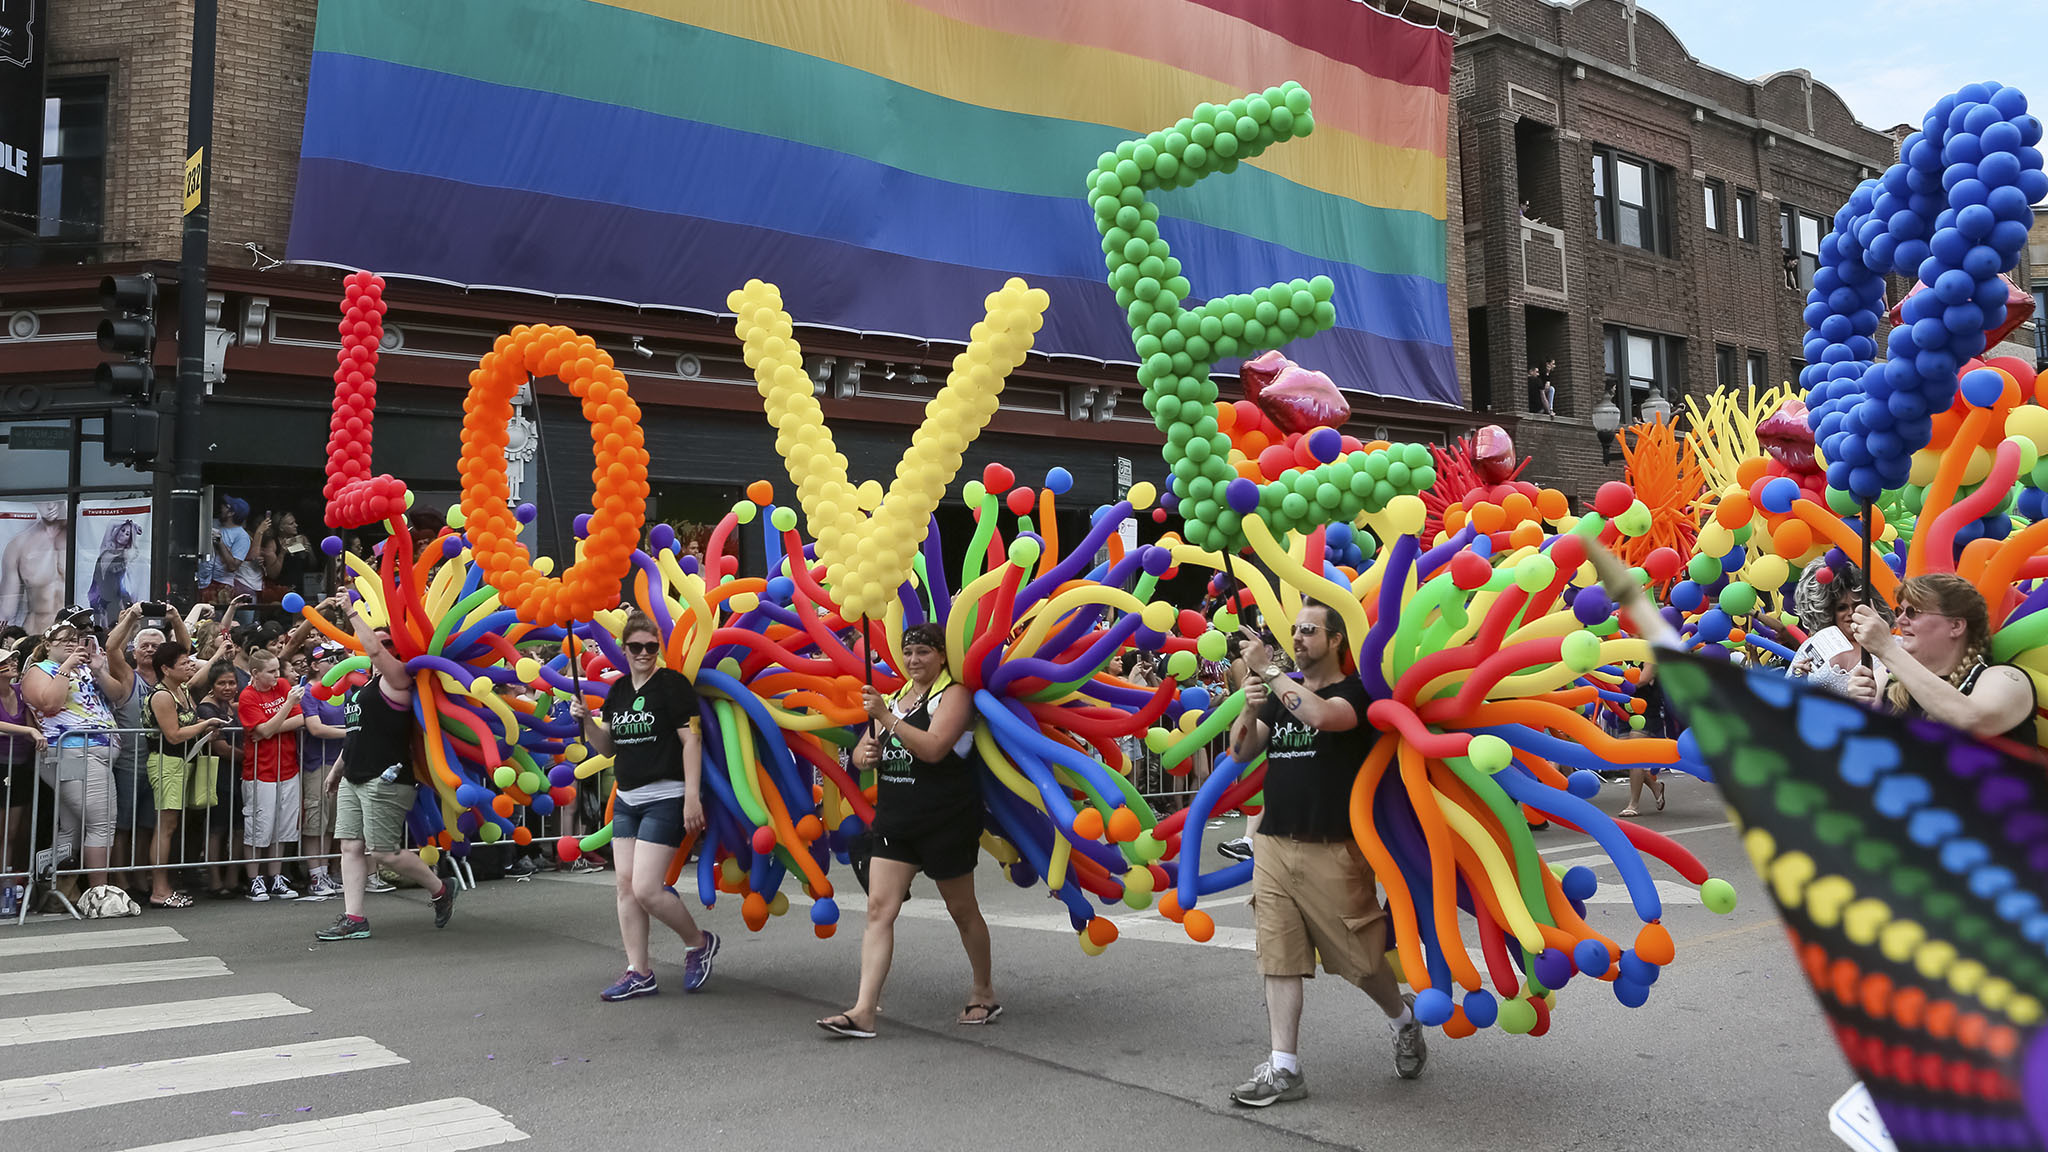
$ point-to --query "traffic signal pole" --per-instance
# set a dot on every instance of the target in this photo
(188, 515)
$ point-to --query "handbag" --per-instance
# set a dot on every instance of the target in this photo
(204, 789)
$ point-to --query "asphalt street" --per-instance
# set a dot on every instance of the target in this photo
(258, 1037)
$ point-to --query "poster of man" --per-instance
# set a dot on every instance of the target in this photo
(35, 550)
(113, 555)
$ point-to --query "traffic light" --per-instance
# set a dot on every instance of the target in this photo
(132, 437)
(127, 330)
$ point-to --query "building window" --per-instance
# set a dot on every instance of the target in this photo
(1759, 371)
(1649, 362)
(1716, 196)
(1745, 214)
(1631, 201)
(1799, 234)
(1724, 368)
(2041, 326)
(73, 193)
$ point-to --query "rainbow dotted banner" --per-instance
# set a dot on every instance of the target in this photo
(1910, 862)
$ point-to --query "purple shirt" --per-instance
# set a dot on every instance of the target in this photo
(316, 751)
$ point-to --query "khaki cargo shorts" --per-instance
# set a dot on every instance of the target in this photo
(1311, 899)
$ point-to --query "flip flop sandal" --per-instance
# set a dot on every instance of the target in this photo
(174, 900)
(989, 1012)
(843, 1025)
(1658, 792)
(1628, 812)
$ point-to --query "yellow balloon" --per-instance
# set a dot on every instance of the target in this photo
(1979, 466)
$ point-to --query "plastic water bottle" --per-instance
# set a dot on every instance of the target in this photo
(390, 775)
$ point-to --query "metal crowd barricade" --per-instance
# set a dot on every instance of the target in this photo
(42, 838)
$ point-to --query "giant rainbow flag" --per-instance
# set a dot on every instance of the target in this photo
(887, 162)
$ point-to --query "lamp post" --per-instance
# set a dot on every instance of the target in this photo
(1607, 426)
(1657, 409)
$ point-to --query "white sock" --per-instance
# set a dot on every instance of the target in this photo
(1406, 1018)
(319, 872)
(1286, 1062)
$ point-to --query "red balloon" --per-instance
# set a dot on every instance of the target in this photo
(1020, 501)
(1275, 460)
(1662, 564)
(1469, 570)
(1613, 499)
(997, 479)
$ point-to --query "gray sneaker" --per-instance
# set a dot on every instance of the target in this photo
(1411, 1050)
(1269, 1085)
(377, 883)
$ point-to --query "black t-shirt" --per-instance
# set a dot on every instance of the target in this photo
(1309, 772)
(913, 794)
(643, 723)
(379, 735)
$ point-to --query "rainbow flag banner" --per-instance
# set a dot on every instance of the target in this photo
(886, 162)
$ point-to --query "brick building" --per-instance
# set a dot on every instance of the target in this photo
(1673, 218)
(116, 82)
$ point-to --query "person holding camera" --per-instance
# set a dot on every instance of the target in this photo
(181, 735)
(69, 682)
(1313, 893)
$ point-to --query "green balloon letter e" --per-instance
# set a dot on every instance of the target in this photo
(1176, 346)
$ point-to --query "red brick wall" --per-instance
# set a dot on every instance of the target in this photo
(1681, 113)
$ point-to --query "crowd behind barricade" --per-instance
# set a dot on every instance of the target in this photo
(182, 755)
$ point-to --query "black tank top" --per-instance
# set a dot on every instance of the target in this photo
(2022, 733)
(912, 793)
(379, 736)
(188, 715)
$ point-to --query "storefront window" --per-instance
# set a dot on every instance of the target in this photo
(73, 528)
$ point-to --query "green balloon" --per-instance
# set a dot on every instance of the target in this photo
(1842, 503)
(1328, 495)
(1294, 505)
(1397, 474)
(1703, 569)
(505, 776)
(1738, 599)
(1718, 895)
(1517, 1017)
(1581, 651)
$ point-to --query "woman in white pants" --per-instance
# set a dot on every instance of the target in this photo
(69, 683)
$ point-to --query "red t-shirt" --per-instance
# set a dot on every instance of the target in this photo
(276, 758)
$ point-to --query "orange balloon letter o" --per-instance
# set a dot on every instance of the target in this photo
(618, 505)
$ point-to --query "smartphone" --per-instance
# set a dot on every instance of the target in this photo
(155, 608)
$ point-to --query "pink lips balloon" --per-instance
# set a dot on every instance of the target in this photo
(1296, 398)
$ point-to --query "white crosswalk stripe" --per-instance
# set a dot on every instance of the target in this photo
(91, 941)
(109, 975)
(50, 1093)
(142, 1018)
(437, 1126)
(446, 1125)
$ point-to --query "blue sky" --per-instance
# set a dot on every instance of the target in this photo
(1889, 59)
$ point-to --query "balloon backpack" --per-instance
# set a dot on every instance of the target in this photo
(1495, 662)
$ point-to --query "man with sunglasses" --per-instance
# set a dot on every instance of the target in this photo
(376, 787)
(1312, 890)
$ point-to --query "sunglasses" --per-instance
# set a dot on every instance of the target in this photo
(1908, 612)
(1306, 629)
(643, 647)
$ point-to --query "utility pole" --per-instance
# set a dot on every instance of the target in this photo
(189, 440)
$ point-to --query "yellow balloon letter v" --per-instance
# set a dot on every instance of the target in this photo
(867, 541)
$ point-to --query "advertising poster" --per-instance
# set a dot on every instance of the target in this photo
(35, 550)
(112, 555)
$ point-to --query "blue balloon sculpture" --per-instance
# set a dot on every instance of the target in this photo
(1954, 213)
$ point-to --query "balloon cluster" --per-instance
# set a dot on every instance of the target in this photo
(1480, 662)
(618, 503)
(1954, 212)
(867, 539)
(1176, 346)
(354, 496)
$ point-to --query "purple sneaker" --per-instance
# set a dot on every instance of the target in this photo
(630, 985)
(697, 962)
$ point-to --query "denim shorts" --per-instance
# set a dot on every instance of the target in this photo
(657, 822)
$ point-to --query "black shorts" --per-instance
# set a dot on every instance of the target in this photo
(941, 850)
